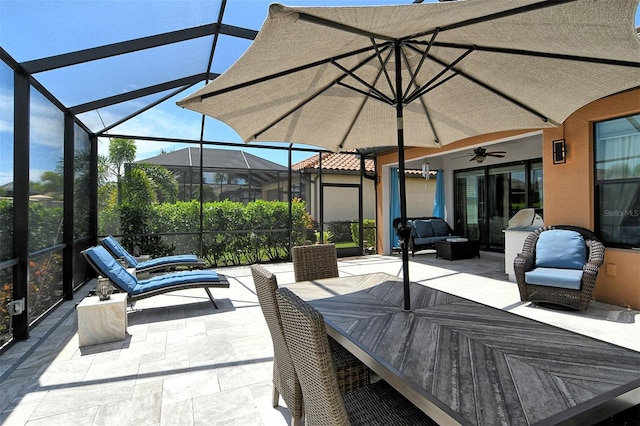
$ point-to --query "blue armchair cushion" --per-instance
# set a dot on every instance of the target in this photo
(423, 228)
(561, 248)
(555, 277)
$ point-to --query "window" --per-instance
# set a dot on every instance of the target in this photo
(617, 180)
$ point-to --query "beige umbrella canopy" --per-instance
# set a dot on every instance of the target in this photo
(423, 74)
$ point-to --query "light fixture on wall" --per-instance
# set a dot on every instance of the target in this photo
(559, 151)
(425, 171)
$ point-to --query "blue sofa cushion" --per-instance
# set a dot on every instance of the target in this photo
(111, 269)
(561, 248)
(555, 277)
(176, 278)
(439, 227)
(423, 228)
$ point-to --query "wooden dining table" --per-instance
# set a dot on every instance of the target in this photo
(463, 362)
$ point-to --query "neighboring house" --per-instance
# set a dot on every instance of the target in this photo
(228, 174)
(341, 179)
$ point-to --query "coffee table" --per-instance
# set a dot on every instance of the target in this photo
(458, 248)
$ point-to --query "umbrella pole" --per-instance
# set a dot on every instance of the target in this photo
(404, 230)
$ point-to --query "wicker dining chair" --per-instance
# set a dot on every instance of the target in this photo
(351, 373)
(578, 298)
(314, 262)
(375, 404)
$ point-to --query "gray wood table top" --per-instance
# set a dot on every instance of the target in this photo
(463, 362)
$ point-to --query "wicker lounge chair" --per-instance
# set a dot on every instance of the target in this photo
(351, 373)
(151, 265)
(314, 262)
(374, 404)
(556, 281)
(104, 263)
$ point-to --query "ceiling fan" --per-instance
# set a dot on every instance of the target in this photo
(480, 153)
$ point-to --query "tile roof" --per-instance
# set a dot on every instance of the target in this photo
(342, 162)
(334, 161)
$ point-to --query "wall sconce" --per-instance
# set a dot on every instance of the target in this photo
(559, 151)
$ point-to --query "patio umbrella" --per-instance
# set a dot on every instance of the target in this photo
(422, 74)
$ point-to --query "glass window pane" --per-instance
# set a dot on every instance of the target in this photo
(617, 169)
(45, 283)
(6, 163)
(620, 213)
(82, 183)
(46, 163)
(618, 148)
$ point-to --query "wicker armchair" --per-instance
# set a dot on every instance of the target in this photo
(375, 404)
(572, 298)
(314, 262)
(352, 374)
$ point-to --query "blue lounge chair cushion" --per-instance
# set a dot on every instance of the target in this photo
(111, 269)
(158, 261)
(176, 278)
(555, 277)
(115, 247)
(561, 248)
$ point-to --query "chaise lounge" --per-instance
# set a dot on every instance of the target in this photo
(104, 263)
(151, 265)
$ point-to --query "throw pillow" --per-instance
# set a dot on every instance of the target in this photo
(561, 248)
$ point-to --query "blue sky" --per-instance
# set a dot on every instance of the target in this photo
(31, 29)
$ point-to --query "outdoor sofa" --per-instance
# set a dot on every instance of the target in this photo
(425, 232)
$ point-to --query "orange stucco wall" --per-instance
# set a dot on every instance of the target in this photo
(569, 189)
(569, 193)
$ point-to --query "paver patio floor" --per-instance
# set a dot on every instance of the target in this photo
(184, 363)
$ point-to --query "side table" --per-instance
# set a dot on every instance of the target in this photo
(455, 249)
(102, 321)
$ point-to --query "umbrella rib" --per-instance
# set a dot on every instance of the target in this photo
(375, 95)
(280, 74)
(413, 82)
(383, 63)
(422, 59)
(379, 95)
(495, 91)
(364, 101)
(550, 55)
(342, 27)
(425, 87)
(315, 95)
(503, 14)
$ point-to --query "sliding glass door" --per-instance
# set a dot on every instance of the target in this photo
(486, 198)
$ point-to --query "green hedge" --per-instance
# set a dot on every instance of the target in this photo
(234, 233)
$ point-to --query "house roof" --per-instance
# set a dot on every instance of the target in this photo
(343, 162)
(334, 161)
(214, 158)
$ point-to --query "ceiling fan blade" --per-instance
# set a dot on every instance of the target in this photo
(493, 154)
